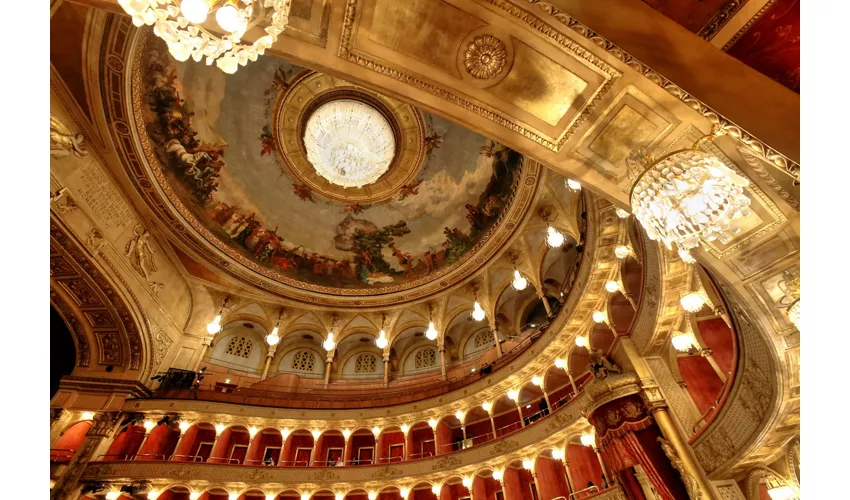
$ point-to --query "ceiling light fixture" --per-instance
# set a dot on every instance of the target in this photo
(513, 395)
(685, 339)
(381, 341)
(599, 317)
(214, 326)
(487, 406)
(573, 185)
(558, 454)
(554, 238)
(498, 474)
(581, 340)
(561, 363)
(528, 464)
(431, 332)
(687, 196)
(329, 343)
(588, 439)
(519, 282)
(180, 25)
(612, 286)
(478, 313)
(273, 338)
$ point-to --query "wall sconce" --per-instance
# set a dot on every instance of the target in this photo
(219, 428)
(487, 406)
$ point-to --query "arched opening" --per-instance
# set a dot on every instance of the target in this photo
(558, 386)
(160, 443)
(215, 493)
(532, 403)
(231, 447)
(63, 352)
(505, 416)
(357, 494)
(551, 476)
(421, 442)
(422, 491)
(485, 487)
(585, 470)
(126, 444)
(266, 448)
(478, 427)
(518, 482)
(253, 494)
(330, 449)
(298, 449)
(453, 489)
(449, 435)
(361, 450)
(390, 445)
(69, 441)
(197, 443)
(175, 493)
(323, 495)
(389, 493)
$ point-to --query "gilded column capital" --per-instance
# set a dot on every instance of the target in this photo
(653, 398)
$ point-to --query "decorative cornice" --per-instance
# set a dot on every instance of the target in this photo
(746, 27)
(720, 19)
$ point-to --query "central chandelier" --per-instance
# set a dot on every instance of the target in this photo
(688, 196)
(554, 238)
(431, 332)
(180, 23)
(478, 313)
(519, 282)
(349, 143)
(329, 343)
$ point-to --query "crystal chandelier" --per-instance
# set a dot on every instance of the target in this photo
(431, 332)
(349, 143)
(180, 24)
(686, 256)
(684, 340)
(329, 343)
(214, 326)
(688, 196)
(554, 238)
(519, 282)
(478, 313)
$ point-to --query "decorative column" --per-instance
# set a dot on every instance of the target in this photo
(519, 410)
(442, 348)
(328, 362)
(492, 423)
(676, 447)
(386, 369)
(568, 474)
(573, 383)
(205, 344)
(95, 443)
(605, 474)
(495, 331)
(542, 296)
(546, 398)
(269, 356)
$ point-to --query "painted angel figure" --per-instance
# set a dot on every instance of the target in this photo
(140, 251)
(63, 142)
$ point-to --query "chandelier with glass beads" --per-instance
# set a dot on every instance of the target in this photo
(180, 23)
(688, 196)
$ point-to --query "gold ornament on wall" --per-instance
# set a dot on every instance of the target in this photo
(485, 57)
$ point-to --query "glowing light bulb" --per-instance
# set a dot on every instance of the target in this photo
(405, 428)
(432, 423)
(403, 492)
(273, 337)
(612, 286)
(519, 283)
(588, 439)
(431, 332)
(487, 406)
(558, 454)
(598, 316)
(339, 496)
(346, 433)
(561, 363)
(305, 496)
(581, 340)
(554, 238)
(498, 474)
(316, 433)
(329, 344)
(252, 431)
(376, 431)
(528, 464)
(271, 496)
(381, 341)
(228, 18)
(183, 426)
(459, 415)
(149, 425)
(214, 326)
(467, 482)
(153, 495)
(219, 428)
(233, 496)
(536, 380)
(284, 433)
(194, 495)
(113, 495)
(513, 395)
(622, 251)
(195, 11)
(436, 489)
(574, 185)
(372, 495)
(478, 313)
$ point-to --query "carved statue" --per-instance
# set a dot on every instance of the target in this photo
(140, 251)
(600, 366)
(689, 480)
(64, 142)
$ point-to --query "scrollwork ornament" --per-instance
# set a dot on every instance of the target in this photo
(690, 481)
(485, 57)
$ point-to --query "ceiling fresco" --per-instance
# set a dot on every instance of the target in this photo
(232, 152)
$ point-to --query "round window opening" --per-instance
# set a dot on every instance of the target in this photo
(349, 143)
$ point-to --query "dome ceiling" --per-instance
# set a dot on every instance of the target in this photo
(229, 153)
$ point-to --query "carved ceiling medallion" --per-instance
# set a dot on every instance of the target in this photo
(485, 57)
